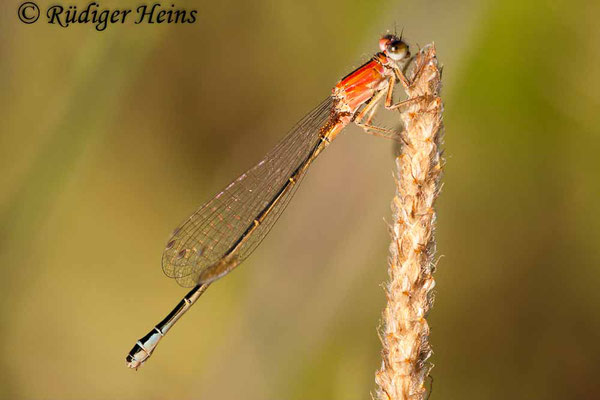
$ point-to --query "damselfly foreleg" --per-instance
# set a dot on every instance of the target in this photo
(389, 102)
(364, 117)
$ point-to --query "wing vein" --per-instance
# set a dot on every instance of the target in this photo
(203, 240)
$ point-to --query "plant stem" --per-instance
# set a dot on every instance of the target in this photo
(405, 332)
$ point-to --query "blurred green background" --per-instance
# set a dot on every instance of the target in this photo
(109, 139)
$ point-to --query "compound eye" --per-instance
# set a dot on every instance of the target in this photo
(385, 40)
(397, 50)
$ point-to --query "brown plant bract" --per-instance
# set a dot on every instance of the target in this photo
(405, 332)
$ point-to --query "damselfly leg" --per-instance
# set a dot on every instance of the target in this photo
(364, 118)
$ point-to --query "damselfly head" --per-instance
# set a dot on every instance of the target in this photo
(394, 47)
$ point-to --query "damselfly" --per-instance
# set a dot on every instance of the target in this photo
(224, 231)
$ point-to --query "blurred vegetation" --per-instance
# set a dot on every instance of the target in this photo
(111, 138)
